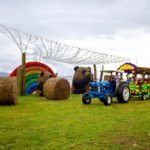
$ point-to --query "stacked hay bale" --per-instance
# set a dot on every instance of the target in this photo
(56, 89)
(8, 90)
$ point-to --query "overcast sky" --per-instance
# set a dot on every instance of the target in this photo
(117, 27)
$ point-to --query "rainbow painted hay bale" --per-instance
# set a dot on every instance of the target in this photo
(8, 90)
(56, 89)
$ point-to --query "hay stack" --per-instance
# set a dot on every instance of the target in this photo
(8, 90)
(56, 89)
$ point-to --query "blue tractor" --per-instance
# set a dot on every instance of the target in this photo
(105, 90)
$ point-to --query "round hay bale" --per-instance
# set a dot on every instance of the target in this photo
(56, 89)
(8, 90)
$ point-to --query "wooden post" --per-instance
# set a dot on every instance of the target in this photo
(95, 72)
(19, 80)
(23, 73)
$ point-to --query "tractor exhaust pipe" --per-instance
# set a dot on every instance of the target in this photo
(101, 74)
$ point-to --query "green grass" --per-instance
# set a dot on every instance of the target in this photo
(39, 124)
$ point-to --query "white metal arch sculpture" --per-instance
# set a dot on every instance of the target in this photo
(48, 49)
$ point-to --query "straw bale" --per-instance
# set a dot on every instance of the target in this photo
(8, 90)
(56, 89)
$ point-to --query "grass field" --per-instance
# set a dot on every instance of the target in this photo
(39, 124)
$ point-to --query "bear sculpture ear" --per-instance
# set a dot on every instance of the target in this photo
(42, 74)
(75, 68)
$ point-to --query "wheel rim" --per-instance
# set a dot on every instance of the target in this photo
(144, 96)
(126, 94)
(88, 99)
(108, 99)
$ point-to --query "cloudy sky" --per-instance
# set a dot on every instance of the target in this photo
(117, 27)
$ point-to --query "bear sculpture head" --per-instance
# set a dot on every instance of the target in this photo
(81, 79)
(44, 76)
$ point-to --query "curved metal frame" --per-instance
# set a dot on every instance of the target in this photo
(48, 49)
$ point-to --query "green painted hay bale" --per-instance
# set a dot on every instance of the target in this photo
(56, 89)
(8, 91)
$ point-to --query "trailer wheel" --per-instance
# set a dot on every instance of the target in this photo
(86, 99)
(123, 93)
(144, 96)
(107, 100)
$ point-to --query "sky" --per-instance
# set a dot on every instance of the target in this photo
(116, 27)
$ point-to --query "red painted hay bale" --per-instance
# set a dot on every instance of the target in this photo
(56, 89)
(8, 90)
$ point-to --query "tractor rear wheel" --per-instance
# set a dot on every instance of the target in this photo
(123, 93)
(107, 100)
(86, 99)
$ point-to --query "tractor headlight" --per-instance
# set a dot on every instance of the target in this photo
(99, 89)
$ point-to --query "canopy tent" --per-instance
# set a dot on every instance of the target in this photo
(47, 49)
(132, 68)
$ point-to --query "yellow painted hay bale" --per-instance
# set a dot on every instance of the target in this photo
(56, 89)
(8, 90)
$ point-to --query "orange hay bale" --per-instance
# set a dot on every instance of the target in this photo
(8, 90)
(56, 89)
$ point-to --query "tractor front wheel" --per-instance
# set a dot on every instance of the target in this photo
(86, 99)
(107, 100)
